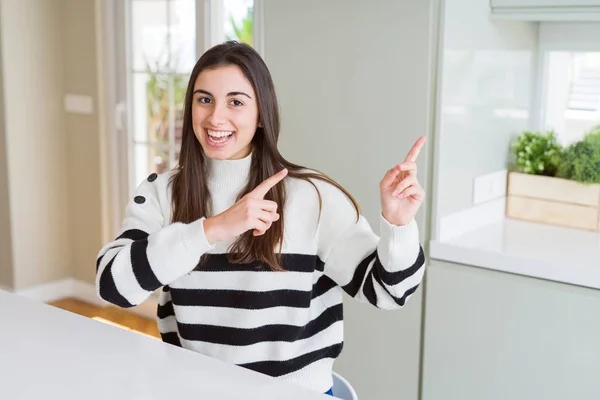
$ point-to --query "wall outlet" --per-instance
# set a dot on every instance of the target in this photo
(490, 186)
(79, 104)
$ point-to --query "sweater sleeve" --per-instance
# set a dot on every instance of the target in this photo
(149, 252)
(383, 271)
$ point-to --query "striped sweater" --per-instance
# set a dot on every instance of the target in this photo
(284, 324)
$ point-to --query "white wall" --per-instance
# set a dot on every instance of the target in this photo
(485, 96)
(353, 80)
(6, 270)
(36, 146)
(81, 77)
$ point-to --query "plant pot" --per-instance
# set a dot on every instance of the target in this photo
(553, 201)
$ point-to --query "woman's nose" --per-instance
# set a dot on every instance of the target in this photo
(217, 117)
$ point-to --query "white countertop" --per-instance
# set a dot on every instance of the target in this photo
(49, 353)
(526, 248)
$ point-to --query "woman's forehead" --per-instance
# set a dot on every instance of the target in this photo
(223, 80)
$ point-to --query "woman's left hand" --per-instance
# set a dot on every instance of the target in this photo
(401, 193)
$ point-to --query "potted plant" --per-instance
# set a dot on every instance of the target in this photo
(555, 185)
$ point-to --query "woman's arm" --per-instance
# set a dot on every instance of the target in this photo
(149, 252)
(383, 271)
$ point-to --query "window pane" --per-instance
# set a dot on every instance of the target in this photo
(163, 47)
(151, 108)
(151, 105)
(180, 83)
(182, 21)
(175, 158)
(572, 101)
(148, 159)
(238, 20)
(149, 34)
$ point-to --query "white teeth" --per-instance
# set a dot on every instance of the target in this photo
(220, 140)
(219, 134)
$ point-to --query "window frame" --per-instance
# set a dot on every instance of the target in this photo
(559, 36)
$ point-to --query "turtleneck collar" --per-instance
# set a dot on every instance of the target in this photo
(232, 174)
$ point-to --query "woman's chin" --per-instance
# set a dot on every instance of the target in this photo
(216, 156)
(225, 153)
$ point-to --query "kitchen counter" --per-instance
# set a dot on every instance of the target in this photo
(49, 353)
(526, 248)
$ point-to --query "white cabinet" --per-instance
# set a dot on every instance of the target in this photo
(546, 10)
(545, 3)
(496, 336)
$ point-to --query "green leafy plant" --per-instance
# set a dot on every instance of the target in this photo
(243, 30)
(537, 153)
(581, 160)
(158, 109)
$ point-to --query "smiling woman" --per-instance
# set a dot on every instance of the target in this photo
(253, 252)
(224, 112)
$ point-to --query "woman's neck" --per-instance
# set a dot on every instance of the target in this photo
(228, 174)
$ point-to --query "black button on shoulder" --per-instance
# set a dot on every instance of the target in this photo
(139, 199)
(152, 177)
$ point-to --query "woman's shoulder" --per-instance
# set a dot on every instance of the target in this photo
(311, 179)
(321, 192)
(156, 185)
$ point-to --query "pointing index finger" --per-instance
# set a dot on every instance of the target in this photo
(263, 188)
(416, 149)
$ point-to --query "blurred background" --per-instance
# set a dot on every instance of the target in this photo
(507, 91)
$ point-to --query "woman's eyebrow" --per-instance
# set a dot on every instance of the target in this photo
(228, 94)
(238, 94)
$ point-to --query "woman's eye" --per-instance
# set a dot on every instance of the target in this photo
(236, 103)
(204, 100)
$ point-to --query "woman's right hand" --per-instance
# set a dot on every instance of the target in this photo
(251, 212)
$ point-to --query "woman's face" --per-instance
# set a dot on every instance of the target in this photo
(224, 113)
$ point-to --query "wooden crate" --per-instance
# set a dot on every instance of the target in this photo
(553, 201)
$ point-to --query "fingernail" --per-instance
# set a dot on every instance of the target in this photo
(395, 193)
(402, 195)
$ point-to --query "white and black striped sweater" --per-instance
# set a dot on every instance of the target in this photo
(284, 324)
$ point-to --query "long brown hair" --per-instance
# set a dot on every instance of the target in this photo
(191, 198)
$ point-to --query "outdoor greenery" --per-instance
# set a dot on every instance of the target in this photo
(243, 29)
(157, 105)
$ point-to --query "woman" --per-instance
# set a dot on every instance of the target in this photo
(253, 252)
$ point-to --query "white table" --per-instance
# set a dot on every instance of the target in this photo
(49, 353)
